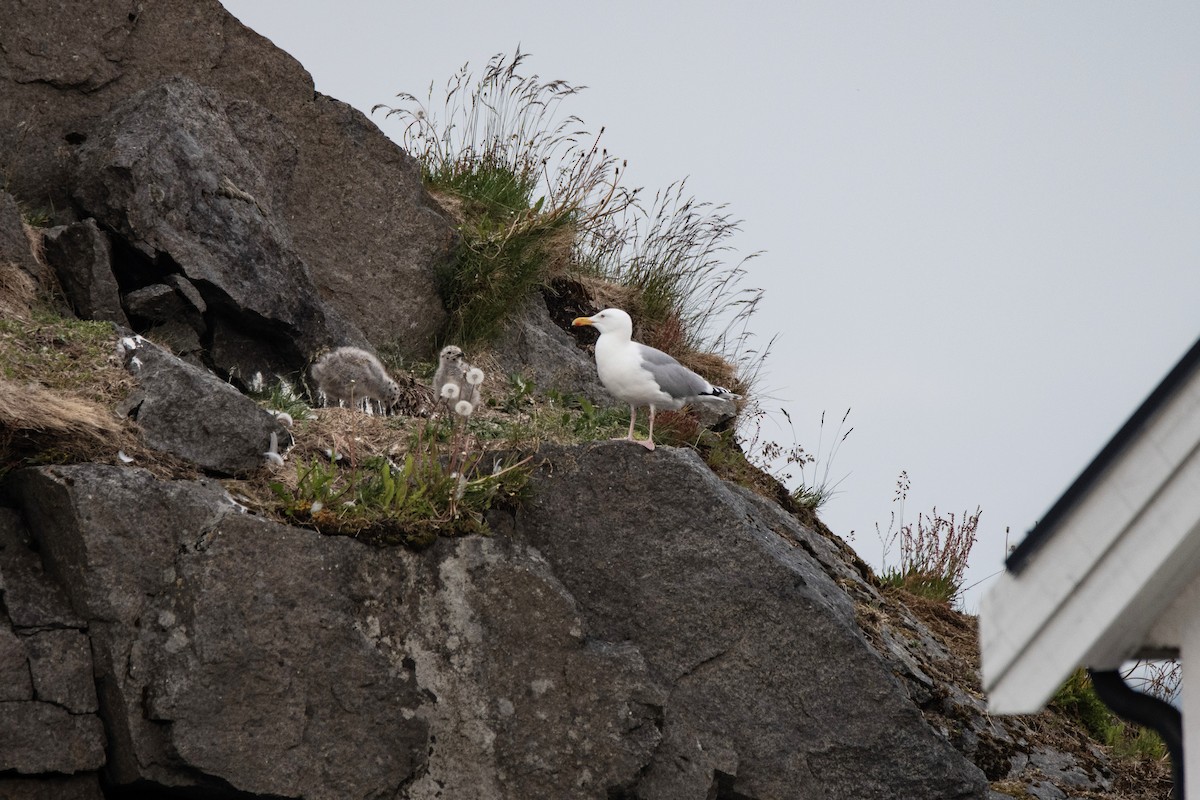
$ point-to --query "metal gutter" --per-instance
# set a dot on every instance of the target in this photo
(1143, 709)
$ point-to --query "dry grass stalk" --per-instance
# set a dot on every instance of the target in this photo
(32, 407)
(17, 292)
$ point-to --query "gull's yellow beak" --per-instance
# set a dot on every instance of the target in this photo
(581, 321)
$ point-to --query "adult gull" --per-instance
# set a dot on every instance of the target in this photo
(643, 376)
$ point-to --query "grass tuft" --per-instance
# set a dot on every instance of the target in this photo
(522, 181)
(536, 196)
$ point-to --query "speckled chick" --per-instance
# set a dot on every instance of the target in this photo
(350, 375)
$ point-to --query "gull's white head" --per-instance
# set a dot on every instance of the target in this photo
(610, 320)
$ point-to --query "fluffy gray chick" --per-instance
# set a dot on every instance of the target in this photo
(351, 375)
(452, 369)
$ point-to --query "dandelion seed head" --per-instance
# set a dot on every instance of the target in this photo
(450, 391)
(463, 408)
(474, 376)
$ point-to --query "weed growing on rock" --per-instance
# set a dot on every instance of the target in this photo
(934, 553)
(409, 498)
(280, 397)
(816, 486)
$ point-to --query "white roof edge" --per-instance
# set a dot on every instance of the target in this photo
(1036, 627)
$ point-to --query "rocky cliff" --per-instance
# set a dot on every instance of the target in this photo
(637, 628)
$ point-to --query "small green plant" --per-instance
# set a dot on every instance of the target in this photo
(520, 393)
(408, 500)
(1077, 699)
(934, 553)
(36, 217)
(580, 418)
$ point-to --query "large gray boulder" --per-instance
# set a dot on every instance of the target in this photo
(166, 172)
(188, 412)
(642, 630)
(346, 200)
(531, 344)
(773, 689)
(236, 652)
(81, 257)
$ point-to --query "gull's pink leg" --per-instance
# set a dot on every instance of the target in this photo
(649, 443)
(632, 419)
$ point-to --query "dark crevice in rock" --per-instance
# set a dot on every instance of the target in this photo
(722, 788)
(700, 665)
(212, 789)
(567, 299)
(132, 266)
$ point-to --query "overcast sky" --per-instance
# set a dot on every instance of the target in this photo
(980, 220)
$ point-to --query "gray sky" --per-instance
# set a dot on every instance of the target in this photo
(980, 219)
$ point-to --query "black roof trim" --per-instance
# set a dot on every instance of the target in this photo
(1045, 528)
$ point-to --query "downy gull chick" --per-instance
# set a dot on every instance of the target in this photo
(352, 375)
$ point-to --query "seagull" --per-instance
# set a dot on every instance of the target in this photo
(643, 376)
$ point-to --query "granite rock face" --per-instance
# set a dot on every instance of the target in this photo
(677, 643)
(187, 411)
(236, 652)
(773, 690)
(317, 176)
(48, 710)
(165, 171)
(532, 344)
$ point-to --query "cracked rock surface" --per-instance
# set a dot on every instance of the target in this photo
(641, 630)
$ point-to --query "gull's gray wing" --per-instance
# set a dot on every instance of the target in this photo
(672, 377)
